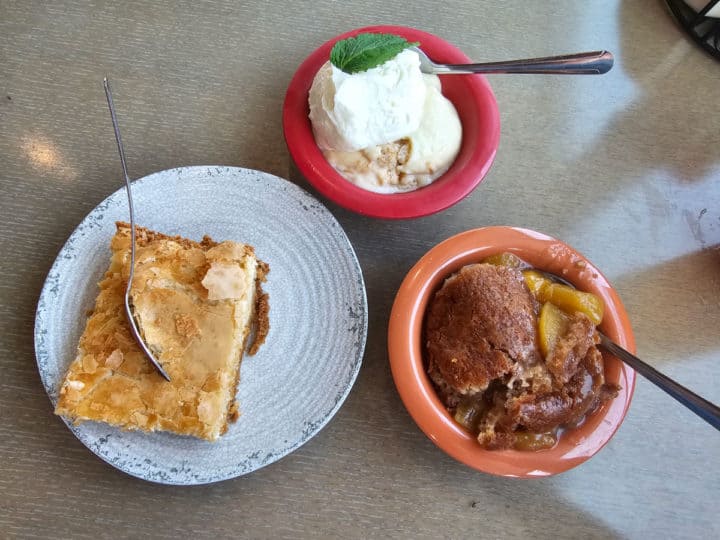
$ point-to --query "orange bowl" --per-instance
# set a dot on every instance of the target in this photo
(416, 390)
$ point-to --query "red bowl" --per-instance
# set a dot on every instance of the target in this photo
(476, 106)
(418, 394)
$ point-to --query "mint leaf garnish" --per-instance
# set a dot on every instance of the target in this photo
(366, 51)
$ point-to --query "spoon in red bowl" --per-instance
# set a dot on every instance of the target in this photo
(586, 63)
(702, 407)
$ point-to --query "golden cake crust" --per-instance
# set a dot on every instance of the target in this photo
(195, 302)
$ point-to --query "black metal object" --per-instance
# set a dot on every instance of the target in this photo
(705, 31)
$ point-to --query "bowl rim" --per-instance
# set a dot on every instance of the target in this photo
(414, 386)
(434, 198)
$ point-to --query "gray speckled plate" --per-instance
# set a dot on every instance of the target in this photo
(318, 317)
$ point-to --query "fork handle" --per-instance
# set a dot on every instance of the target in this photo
(587, 63)
(703, 408)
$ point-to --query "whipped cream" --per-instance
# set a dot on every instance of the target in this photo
(388, 129)
(355, 111)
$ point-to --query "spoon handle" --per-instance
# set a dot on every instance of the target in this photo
(587, 63)
(702, 407)
(128, 309)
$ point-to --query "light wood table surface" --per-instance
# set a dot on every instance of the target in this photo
(624, 167)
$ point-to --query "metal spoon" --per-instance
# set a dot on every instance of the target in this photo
(703, 408)
(586, 63)
(128, 307)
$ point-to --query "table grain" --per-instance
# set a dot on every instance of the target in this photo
(624, 167)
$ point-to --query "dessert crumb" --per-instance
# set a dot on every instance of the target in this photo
(234, 412)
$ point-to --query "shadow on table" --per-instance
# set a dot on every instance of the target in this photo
(647, 125)
(679, 138)
(676, 305)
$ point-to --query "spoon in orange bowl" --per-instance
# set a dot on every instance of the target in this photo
(586, 63)
(705, 409)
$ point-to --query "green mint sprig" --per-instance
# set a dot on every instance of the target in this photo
(366, 51)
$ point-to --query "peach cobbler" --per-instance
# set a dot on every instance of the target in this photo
(513, 354)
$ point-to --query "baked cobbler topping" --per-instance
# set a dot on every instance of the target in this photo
(514, 355)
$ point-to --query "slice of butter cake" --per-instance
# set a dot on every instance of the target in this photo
(195, 303)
